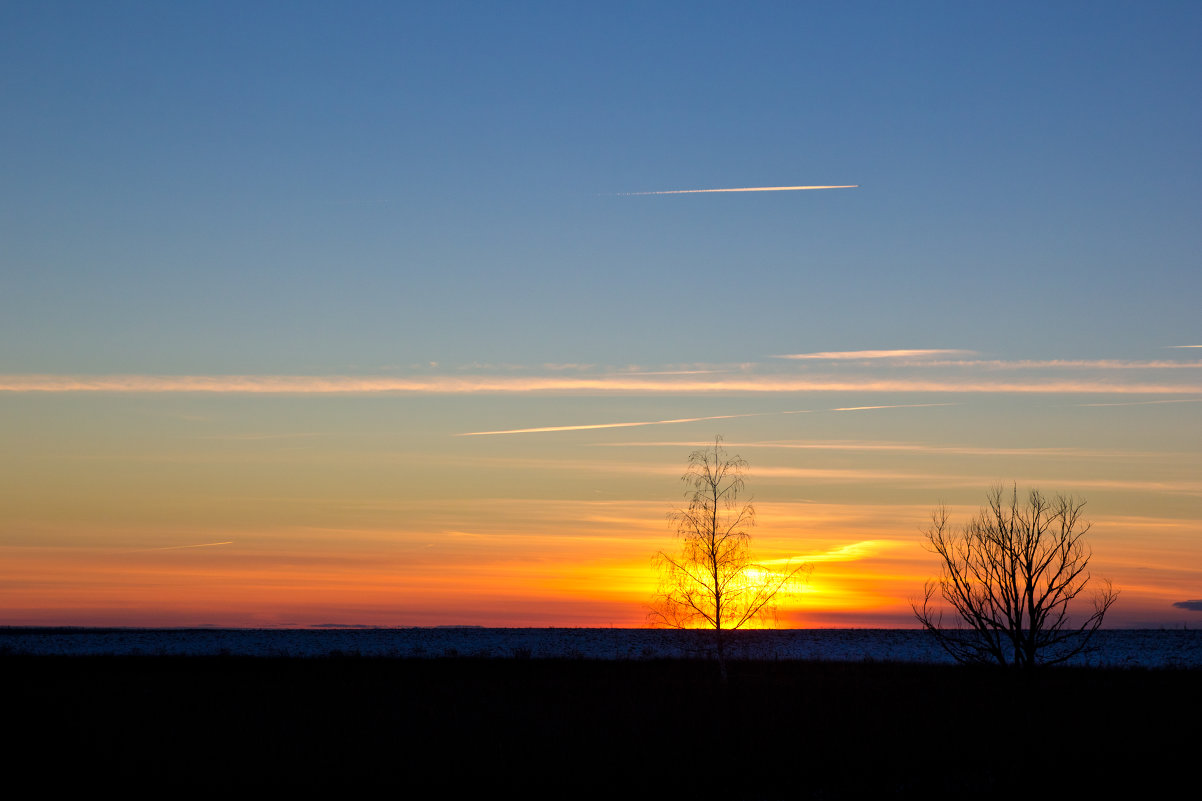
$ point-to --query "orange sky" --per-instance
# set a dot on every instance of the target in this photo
(292, 511)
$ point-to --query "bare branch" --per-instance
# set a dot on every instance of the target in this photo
(1010, 575)
(714, 583)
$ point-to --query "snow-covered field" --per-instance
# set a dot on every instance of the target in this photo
(1122, 648)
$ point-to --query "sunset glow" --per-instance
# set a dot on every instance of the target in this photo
(353, 321)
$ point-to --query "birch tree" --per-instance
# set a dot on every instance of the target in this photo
(713, 582)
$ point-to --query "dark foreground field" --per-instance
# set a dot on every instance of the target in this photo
(573, 728)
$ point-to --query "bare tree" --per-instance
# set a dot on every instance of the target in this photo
(714, 583)
(1010, 575)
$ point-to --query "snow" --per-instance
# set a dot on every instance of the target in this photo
(1145, 648)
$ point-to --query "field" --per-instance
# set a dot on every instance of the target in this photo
(596, 728)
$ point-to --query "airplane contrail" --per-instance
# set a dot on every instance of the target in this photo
(591, 426)
(743, 189)
(891, 406)
(545, 429)
(180, 547)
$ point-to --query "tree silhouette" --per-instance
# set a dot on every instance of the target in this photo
(713, 583)
(1010, 575)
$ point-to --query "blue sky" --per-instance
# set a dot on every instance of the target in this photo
(224, 188)
(284, 252)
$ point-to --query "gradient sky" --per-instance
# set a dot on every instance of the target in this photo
(323, 314)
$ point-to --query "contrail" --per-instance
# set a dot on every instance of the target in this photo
(891, 406)
(607, 425)
(743, 189)
(201, 545)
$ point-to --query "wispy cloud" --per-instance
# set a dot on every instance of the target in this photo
(859, 355)
(890, 406)
(631, 384)
(848, 553)
(740, 189)
(1144, 403)
(1185, 346)
(913, 447)
(859, 475)
(1170, 487)
(852, 475)
(1058, 364)
(182, 547)
(856, 446)
(936, 357)
(590, 426)
(845, 475)
(670, 372)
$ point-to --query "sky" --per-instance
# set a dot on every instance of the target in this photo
(399, 313)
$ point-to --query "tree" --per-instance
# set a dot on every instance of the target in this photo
(714, 583)
(1010, 575)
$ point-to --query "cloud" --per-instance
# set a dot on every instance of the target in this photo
(849, 553)
(558, 365)
(742, 189)
(1193, 606)
(1168, 487)
(181, 547)
(591, 426)
(844, 475)
(1061, 364)
(842, 355)
(856, 446)
(898, 447)
(1144, 403)
(611, 384)
(921, 358)
(1185, 346)
(890, 406)
(857, 475)
(671, 372)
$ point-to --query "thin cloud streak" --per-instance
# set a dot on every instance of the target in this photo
(599, 385)
(1144, 403)
(857, 355)
(607, 425)
(910, 447)
(845, 475)
(743, 189)
(891, 406)
(1070, 364)
(860, 475)
(886, 447)
(182, 547)
(907, 447)
(848, 553)
(670, 372)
